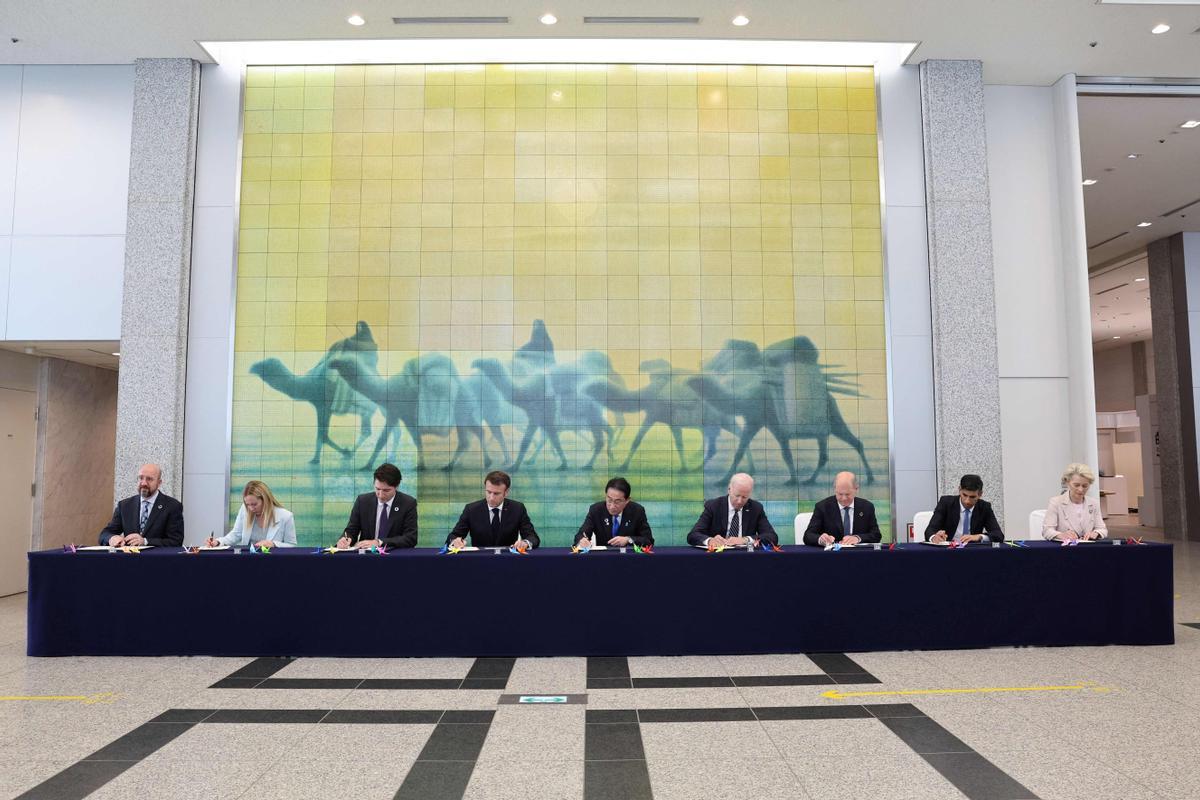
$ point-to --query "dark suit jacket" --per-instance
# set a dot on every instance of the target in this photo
(714, 520)
(164, 526)
(827, 518)
(633, 525)
(476, 523)
(946, 518)
(402, 520)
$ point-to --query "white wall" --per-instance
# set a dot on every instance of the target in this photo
(64, 176)
(1114, 379)
(1044, 374)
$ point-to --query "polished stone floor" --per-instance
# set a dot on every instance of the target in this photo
(1122, 725)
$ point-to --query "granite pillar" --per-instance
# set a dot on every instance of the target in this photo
(962, 292)
(1172, 321)
(154, 314)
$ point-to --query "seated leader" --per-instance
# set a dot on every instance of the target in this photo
(150, 517)
(844, 518)
(615, 522)
(494, 521)
(964, 518)
(384, 516)
(733, 520)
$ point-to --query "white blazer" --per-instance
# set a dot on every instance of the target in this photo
(1059, 518)
(282, 533)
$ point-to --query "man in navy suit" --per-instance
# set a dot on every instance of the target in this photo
(734, 520)
(148, 518)
(494, 521)
(385, 510)
(844, 518)
(964, 518)
(616, 522)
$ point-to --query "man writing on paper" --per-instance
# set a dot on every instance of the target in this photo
(964, 518)
(616, 522)
(147, 518)
(494, 521)
(383, 517)
(734, 520)
(844, 518)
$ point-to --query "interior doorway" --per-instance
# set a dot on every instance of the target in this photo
(18, 448)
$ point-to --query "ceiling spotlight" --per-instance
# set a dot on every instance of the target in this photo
(1090, 182)
(118, 355)
(356, 20)
(1145, 224)
(1138, 280)
(1191, 123)
(1134, 155)
(548, 19)
(1116, 337)
(1160, 28)
(740, 20)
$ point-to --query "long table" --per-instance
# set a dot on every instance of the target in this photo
(679, 601)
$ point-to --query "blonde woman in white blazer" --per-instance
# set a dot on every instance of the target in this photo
(1072, 514)
(260, 519)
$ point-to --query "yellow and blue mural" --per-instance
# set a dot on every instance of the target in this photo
(569, 272)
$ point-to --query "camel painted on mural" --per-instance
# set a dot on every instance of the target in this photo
(785, 390)
(430, 399)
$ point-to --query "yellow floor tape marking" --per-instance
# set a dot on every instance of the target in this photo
(834, 694)
(86, 699)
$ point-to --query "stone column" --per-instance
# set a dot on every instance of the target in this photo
(965, 362)
(158, 246)
(1172, 279)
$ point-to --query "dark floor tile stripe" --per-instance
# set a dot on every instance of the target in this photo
(436, 780)
(499, 684)
(782, 680)
(77, 781)
(695, 715)
(473, 717)
(269, 716)
(598, 715)
(237, 683)
(455, 741)
(184, 715)
(885, 710)
(1195, 625)
(609, 683)
(773, 713)
(683, 683)
(410, 683)
(261, 667)
(843, 678)
(491, 669)
(607, 667)
(616, 780)
(613, 742)
(352, 716)
(925, 736)
(978, 778)
(141, 741)
(835, 662)
(310, 683)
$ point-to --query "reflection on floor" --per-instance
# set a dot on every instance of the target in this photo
(858, 725)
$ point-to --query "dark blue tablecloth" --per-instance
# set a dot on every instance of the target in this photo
(676, 601)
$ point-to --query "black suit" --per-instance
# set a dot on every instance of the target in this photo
(946, 518)
(633, 524)
(164, 526)
(827, 518)
(714, 521)
(402, 520)
(476, 522)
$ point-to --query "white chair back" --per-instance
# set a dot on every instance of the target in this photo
(920, 523)
(800, 526)
(1036, 519)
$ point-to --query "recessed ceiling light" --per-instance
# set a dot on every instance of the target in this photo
(356, 20)
(740, 20)
(1145, 224)
(118, 355)
(1116, 337)
(556, 95)
(1134, 155)
(1161, 27)
(1090, 182)
(1138, 280)
(1191, 123)
(548, 19)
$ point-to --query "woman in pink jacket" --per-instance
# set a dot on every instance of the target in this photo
(1072, 514)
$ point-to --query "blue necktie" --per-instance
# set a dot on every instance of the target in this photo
(616, 525)
(145, 515)
(966, 528)
(846, 521)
